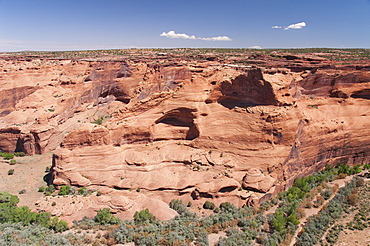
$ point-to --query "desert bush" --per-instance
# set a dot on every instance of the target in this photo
(333, 234)
(300, 213)
(305, 239)
(104, 216)
(341, 176)
(352, 199)
(264, 206)
(19, 154)
(319, 201)
(360, 182)
(8, 199)
(124, 234)
(50, 189)
(83, 191)
(227, 207)
(326, 194)
(7, 156)
(235, 238)
(65, 190)
(209, 205)
(19, 234)
(144, 216)
(58, 225)
(9, 212)
(12, 162)
(177, 205)
(10, 171)
(98, 121)
(318, 224)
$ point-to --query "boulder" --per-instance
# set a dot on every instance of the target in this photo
(255, 180)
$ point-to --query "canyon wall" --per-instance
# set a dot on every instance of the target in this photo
(146, 132)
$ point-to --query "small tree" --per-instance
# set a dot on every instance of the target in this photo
(104, 216)
(209, 205)
(144, 216)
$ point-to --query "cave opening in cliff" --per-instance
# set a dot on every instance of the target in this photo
(182, 118)
(20, 146)
(191, 134)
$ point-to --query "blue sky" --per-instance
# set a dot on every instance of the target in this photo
(109, 24)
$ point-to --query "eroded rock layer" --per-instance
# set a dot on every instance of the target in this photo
(145, 132)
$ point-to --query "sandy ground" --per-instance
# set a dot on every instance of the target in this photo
(29, 172)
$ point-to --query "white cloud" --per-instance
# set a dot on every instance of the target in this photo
(255, 47)
(277, 27)
(299, 25)
(219, 38)
(172, 34)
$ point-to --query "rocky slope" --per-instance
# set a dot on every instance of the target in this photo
(145, 130)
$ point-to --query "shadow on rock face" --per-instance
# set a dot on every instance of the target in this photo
(181, 117)
(246, 90)
(364, 94)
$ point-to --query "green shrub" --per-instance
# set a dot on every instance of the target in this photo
(10, 213)
(83, 191)
(318, 224)
(144, 217)
(19, 154)
(7, 156)
(65, 190)
(99, 121)
(19, 234)
(6, 198)
(227, 207)
(59, 225)
(12, 162)
(209, 205)
(104, 216)
(10, 171)
(50, 188)
(326, 194)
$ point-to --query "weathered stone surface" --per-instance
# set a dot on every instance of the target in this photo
(256, 180)
(183, 128)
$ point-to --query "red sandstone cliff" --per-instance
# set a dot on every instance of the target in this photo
(184, 129)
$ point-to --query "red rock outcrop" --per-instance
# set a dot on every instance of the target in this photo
(184, 129)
